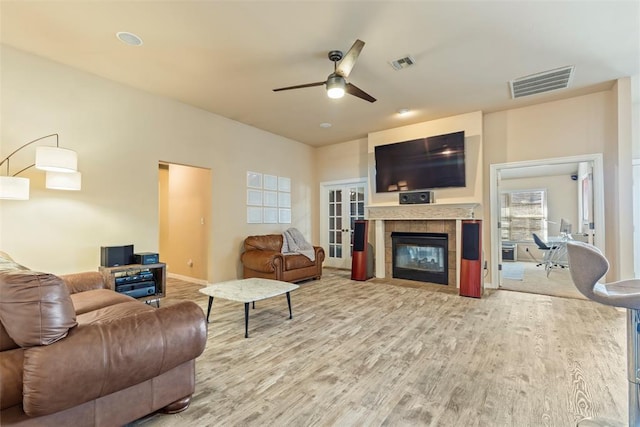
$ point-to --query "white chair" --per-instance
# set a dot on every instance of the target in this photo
(588, 265)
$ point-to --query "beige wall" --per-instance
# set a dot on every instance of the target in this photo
(624, 177)
(580, 125)
(342, 161)
(121, 135)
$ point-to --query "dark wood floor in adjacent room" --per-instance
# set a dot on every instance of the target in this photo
(383, 353)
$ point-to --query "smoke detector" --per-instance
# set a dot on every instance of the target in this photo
(546, 81)
(402, 63)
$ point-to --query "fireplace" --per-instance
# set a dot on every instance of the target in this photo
(420, 256)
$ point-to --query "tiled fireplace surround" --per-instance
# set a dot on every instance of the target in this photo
(428, 218)
(447, 226)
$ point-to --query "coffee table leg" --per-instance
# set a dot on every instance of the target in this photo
(246, 320)
(209, 308)
(289, 303)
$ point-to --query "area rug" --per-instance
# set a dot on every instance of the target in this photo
(513, 271)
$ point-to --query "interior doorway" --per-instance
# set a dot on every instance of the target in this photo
(184, 212)
(572, 208)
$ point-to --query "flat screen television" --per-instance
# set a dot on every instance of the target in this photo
(421, 164)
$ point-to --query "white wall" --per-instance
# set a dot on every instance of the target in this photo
(121, 135)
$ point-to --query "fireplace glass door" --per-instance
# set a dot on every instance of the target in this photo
(420, 256)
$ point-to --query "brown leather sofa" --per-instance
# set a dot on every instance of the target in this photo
(73, 353)
(262, 257)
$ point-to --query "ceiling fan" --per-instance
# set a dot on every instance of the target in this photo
(336, 82)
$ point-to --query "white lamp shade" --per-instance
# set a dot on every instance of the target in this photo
(64, 181)
(14, 188)
(56, 159)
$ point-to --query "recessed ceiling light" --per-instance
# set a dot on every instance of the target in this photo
(129, 38)
(403, 111)
(325, 125)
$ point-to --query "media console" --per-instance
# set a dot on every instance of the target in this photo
(144, 282)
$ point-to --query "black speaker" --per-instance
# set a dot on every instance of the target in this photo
(359, 236)
(471, 241)
(112, 256)
(416, 197)
(362, 257)
(471, 281)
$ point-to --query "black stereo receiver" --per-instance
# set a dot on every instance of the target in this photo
(146, 258)
(141, 290)
(139, 276)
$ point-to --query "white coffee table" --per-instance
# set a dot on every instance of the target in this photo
(248, 291)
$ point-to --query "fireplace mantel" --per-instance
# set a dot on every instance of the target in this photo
(381, 213)
(422, 211)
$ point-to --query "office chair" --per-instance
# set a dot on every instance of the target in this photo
(588, 265)
(543, 247)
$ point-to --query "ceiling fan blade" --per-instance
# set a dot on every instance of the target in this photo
(356, 91)
(349, 59)
(299, 86)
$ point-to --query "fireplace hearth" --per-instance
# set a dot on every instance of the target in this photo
(420, 256)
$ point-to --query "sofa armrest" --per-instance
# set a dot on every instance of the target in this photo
(101, 358)
(319, 254)
(80, 282)
(263, 261)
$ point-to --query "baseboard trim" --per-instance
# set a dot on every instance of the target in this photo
(188, 279)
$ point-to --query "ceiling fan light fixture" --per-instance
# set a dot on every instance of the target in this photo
(335, 86)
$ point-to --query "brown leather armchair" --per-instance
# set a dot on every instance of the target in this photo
(74, 353)
(262, 257)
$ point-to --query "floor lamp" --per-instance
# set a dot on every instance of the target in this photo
(60, 164)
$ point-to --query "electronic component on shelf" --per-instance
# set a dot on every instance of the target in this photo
(146, 258)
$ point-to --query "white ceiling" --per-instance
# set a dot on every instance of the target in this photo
(227, 56)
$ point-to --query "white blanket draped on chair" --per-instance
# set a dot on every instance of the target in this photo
(294, 242)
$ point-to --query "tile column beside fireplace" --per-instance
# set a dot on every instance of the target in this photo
(427, 218)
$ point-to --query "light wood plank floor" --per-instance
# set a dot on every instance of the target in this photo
(386, 353)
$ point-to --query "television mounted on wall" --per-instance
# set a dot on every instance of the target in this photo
(421, 164)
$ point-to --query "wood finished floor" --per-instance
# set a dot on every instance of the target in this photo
(381, 354)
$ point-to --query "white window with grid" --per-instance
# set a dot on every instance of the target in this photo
(522, 213)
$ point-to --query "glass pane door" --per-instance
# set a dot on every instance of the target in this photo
(345, 205)
(335, 224)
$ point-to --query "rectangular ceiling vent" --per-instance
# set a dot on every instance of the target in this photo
(401, 63)
(546, 81)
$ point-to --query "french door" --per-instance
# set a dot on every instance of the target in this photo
(342, 204)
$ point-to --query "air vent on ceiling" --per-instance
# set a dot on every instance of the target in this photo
(546, 81)
(401, 63)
